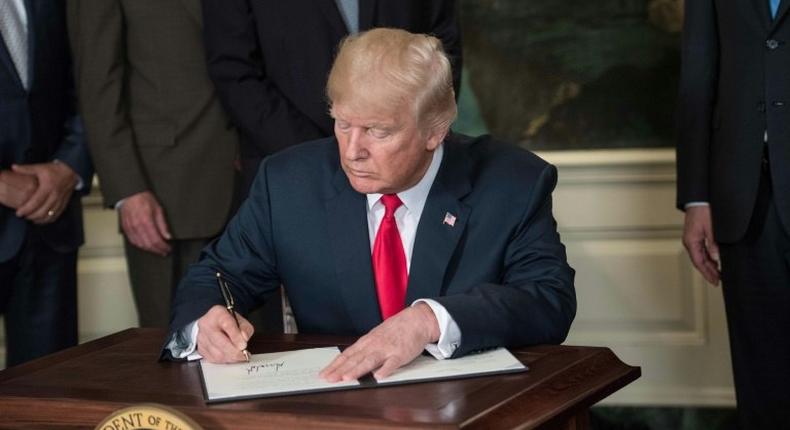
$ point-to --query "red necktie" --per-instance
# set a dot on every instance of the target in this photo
(389, 260)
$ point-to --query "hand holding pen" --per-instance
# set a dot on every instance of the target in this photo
(229, 305)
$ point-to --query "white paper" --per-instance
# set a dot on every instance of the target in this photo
(423, 367)
(272, 373)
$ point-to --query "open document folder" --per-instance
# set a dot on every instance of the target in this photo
(296, 372)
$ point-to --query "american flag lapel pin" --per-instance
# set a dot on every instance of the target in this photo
(449, 219)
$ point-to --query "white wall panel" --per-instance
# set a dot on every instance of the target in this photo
(637, 291)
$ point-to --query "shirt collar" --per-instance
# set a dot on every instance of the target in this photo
(416, 196)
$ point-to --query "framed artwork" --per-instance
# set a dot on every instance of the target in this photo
(571, 74)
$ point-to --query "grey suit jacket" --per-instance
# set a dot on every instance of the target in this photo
(152, 117)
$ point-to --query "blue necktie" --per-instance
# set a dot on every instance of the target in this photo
(349, 9)
(774, 7)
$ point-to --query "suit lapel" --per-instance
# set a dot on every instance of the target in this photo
(32, 16)
(780, 14)
(332, 15)
(367, 10)
(5, 59)
(348, 233)
(436, 240)
(193, 7)
(763, 11)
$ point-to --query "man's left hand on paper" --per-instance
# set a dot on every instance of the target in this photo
(392, 344)
(56, 182)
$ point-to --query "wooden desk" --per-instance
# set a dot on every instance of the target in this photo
(79, 387)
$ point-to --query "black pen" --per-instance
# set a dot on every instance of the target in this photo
(229, 303)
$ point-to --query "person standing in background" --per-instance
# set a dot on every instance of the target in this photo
(43, 160)
(733, 160)
(163, 147)
(270, 60)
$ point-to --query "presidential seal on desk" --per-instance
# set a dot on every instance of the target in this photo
(148, 416)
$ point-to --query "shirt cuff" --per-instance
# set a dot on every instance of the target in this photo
(80, 182)
(184, 343)
(694, 204)
(449, 332)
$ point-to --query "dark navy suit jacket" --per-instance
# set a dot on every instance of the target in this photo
(500, 270)
(734, 87)
(40, 124)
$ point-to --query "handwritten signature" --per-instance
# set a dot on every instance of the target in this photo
(262, 367)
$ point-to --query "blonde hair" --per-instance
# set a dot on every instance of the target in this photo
(385, 70)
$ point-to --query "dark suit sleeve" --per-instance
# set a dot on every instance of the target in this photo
(96, 32)
(73, 151)
(535, 302)
(697, 98)
(237, 67)
(445, 26)
(244, 254)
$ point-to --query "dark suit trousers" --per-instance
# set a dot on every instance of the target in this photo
(154, 278)
(756, 286)
(38, 298)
